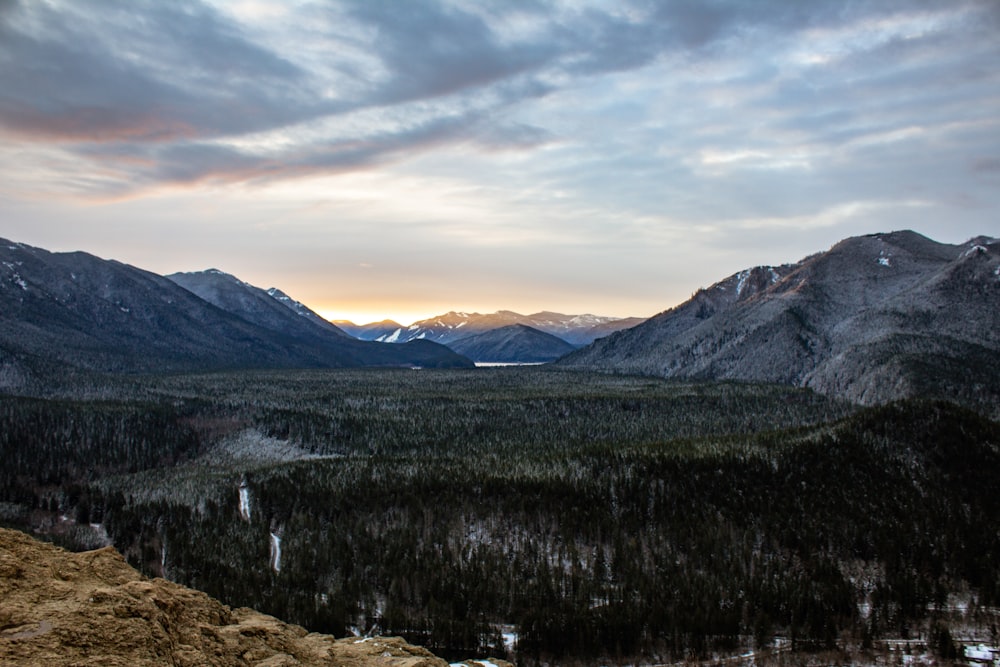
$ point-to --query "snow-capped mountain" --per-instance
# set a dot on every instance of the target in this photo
(574, 329)
(372, 331)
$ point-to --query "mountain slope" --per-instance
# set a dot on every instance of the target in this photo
(515, 343)
(62, 311)
(874, 318)
(303, 310)
(574, 329)
(372, 331)
(92, 608)
(271, 309)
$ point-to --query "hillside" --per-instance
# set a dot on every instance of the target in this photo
(74, 312)
(873, 319)
(515, 343)
(92, 608)
(530, 513)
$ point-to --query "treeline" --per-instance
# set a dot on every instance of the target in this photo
(61, 446)
(585, 516)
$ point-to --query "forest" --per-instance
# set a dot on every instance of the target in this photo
(545, 516)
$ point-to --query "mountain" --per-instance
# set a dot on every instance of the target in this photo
(872, 319)
(517, 343)
(301, 309)
(92, 608)
(574, 329)
(65, 311)
(271, 309)
(373, 331)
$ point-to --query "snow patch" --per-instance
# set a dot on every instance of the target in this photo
(391, 338)
(275, 553)
(743, 275)
(981, 653)
(124, 309)
(884, 261)
(245, 501)
(975, 249)
(20, 282)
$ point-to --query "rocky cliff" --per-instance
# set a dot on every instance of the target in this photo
(92, 608)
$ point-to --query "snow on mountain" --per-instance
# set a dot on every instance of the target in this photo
(574, 329)
(874, 318)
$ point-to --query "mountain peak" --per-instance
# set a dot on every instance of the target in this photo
(874, 318)
(574, 329)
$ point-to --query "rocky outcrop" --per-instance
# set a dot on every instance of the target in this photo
(92, 608)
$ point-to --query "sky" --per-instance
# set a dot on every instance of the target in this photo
(404, 158)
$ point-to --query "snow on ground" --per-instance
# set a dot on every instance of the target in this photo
(275, 553)
(244, 500)
(743, 275)
(253, 447)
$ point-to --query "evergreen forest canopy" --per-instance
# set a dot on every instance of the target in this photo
(552, 516)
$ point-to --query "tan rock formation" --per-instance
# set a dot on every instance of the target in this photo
(59, 608)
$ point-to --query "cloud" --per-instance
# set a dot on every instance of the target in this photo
(660, 95)
(143, 71)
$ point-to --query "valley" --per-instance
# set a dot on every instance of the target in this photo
(542, 515)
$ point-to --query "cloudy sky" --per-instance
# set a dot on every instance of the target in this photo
(407, 157)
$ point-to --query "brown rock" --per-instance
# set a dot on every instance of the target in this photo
(59, 608)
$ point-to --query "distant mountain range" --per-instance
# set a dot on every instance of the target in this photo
(576, 330)
(74, 310)
(514, 343)
(872, 319)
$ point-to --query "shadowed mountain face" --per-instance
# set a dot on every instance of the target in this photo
(873, 319)
(271, 309)
(516, 343)
(74, 310)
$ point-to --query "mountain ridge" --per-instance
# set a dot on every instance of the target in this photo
(514, 343)
(74, 312)
(574, 329)
(873, 318)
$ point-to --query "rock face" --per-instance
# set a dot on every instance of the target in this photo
(61, 608)
(875, 318)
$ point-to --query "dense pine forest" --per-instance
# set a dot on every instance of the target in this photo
(552, 517)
